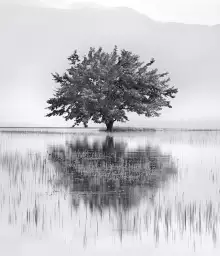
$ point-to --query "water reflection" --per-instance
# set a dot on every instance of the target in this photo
(93, 188)
(105, 174)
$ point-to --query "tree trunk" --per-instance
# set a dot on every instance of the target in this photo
(109, 126)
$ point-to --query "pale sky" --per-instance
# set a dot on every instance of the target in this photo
(29, 72)
(186, 11)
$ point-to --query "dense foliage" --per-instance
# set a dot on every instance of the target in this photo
(104, 87)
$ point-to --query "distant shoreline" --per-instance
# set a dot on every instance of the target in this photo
(98, 129)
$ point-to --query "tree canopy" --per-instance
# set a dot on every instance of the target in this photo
(104, 87)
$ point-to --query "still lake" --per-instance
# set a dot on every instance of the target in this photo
(83, 192)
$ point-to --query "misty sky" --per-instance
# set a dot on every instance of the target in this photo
(189, 53)
(187, 11)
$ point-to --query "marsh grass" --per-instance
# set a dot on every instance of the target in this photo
(130, 129)
(49, 132)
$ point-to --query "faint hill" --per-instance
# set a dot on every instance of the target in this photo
(81, 5)
(36, 41)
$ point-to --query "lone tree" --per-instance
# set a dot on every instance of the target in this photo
(104, 87)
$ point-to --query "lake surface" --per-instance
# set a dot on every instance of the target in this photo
(88, 193)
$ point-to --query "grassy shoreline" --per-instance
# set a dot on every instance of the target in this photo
(89, 130)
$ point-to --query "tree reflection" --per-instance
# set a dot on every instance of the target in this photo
(109, 179)
(106, 174)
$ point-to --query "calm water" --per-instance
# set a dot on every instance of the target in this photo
(155, 193)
